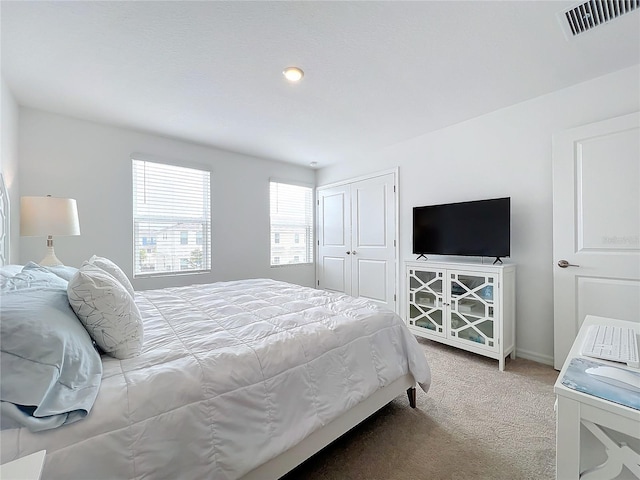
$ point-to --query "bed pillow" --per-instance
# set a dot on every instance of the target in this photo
(50, 370)
(32, 275)
(6, 273)
(107, 311)
(63, 271)
(115, 271)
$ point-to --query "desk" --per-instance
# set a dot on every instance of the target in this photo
(581, 418)
(25, 468)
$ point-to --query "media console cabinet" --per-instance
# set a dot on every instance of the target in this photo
(466, 305)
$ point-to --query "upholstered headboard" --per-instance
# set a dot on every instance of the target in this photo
(4, 223)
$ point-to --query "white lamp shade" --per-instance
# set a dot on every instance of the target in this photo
(43, 216)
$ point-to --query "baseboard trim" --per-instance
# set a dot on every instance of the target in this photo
(536, 357)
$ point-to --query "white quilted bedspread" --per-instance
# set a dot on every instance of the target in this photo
(231, 375)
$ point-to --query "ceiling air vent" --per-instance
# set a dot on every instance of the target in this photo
(590, 14)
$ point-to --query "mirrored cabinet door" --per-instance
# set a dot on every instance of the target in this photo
(426, 304)
(473, 308)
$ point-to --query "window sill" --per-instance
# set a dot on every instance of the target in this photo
(170, 274)
(284, 265)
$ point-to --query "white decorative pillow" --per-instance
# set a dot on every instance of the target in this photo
(114, 270)
(107, 311)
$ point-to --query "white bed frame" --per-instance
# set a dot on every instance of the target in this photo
(287, 461)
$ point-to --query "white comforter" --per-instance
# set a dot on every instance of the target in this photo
(232, 374)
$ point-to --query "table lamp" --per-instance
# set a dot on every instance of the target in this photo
(48, 216)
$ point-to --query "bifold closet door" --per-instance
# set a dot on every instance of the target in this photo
(334, 239)
(373, 254)
(356, 239)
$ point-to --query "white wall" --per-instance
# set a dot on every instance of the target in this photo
(9, 161)
(90, 162)
(504, 153)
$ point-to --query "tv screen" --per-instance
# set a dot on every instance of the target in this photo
(479, 228)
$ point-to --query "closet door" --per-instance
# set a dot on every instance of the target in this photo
(334, 239)
(373, 252)
(356, 239)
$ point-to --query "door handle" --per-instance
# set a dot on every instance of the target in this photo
(354, 252)
(565, 264)
(348, 253)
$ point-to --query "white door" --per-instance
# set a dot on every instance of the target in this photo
(373, 253)
(596, 226)
(356, 239)
(334, 239)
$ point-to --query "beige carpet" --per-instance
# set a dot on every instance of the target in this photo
(474, 423)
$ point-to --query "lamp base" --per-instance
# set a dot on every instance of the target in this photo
(50, 260)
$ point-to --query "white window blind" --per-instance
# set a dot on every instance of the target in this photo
(291, 217)
(171, 219)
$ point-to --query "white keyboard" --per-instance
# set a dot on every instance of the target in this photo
(618, 344)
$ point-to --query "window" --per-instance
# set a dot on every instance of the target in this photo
(291, 224)
(148, 241)
(170, 204)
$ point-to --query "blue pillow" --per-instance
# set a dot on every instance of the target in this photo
(33, 276)
(51, 372)
(63, 271)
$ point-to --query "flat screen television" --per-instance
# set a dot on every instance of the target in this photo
(479, 228)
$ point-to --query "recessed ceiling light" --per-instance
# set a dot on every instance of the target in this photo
(293, 74)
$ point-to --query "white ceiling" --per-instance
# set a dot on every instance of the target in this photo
(376, 73)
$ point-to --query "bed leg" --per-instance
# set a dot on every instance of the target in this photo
(411, 393)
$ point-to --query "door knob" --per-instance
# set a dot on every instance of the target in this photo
(348, 253)
(565, 264)
(354, 252)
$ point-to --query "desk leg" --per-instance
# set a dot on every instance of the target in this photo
(618, 456)
(567, 439)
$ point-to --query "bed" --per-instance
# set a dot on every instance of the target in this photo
(241, 379)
